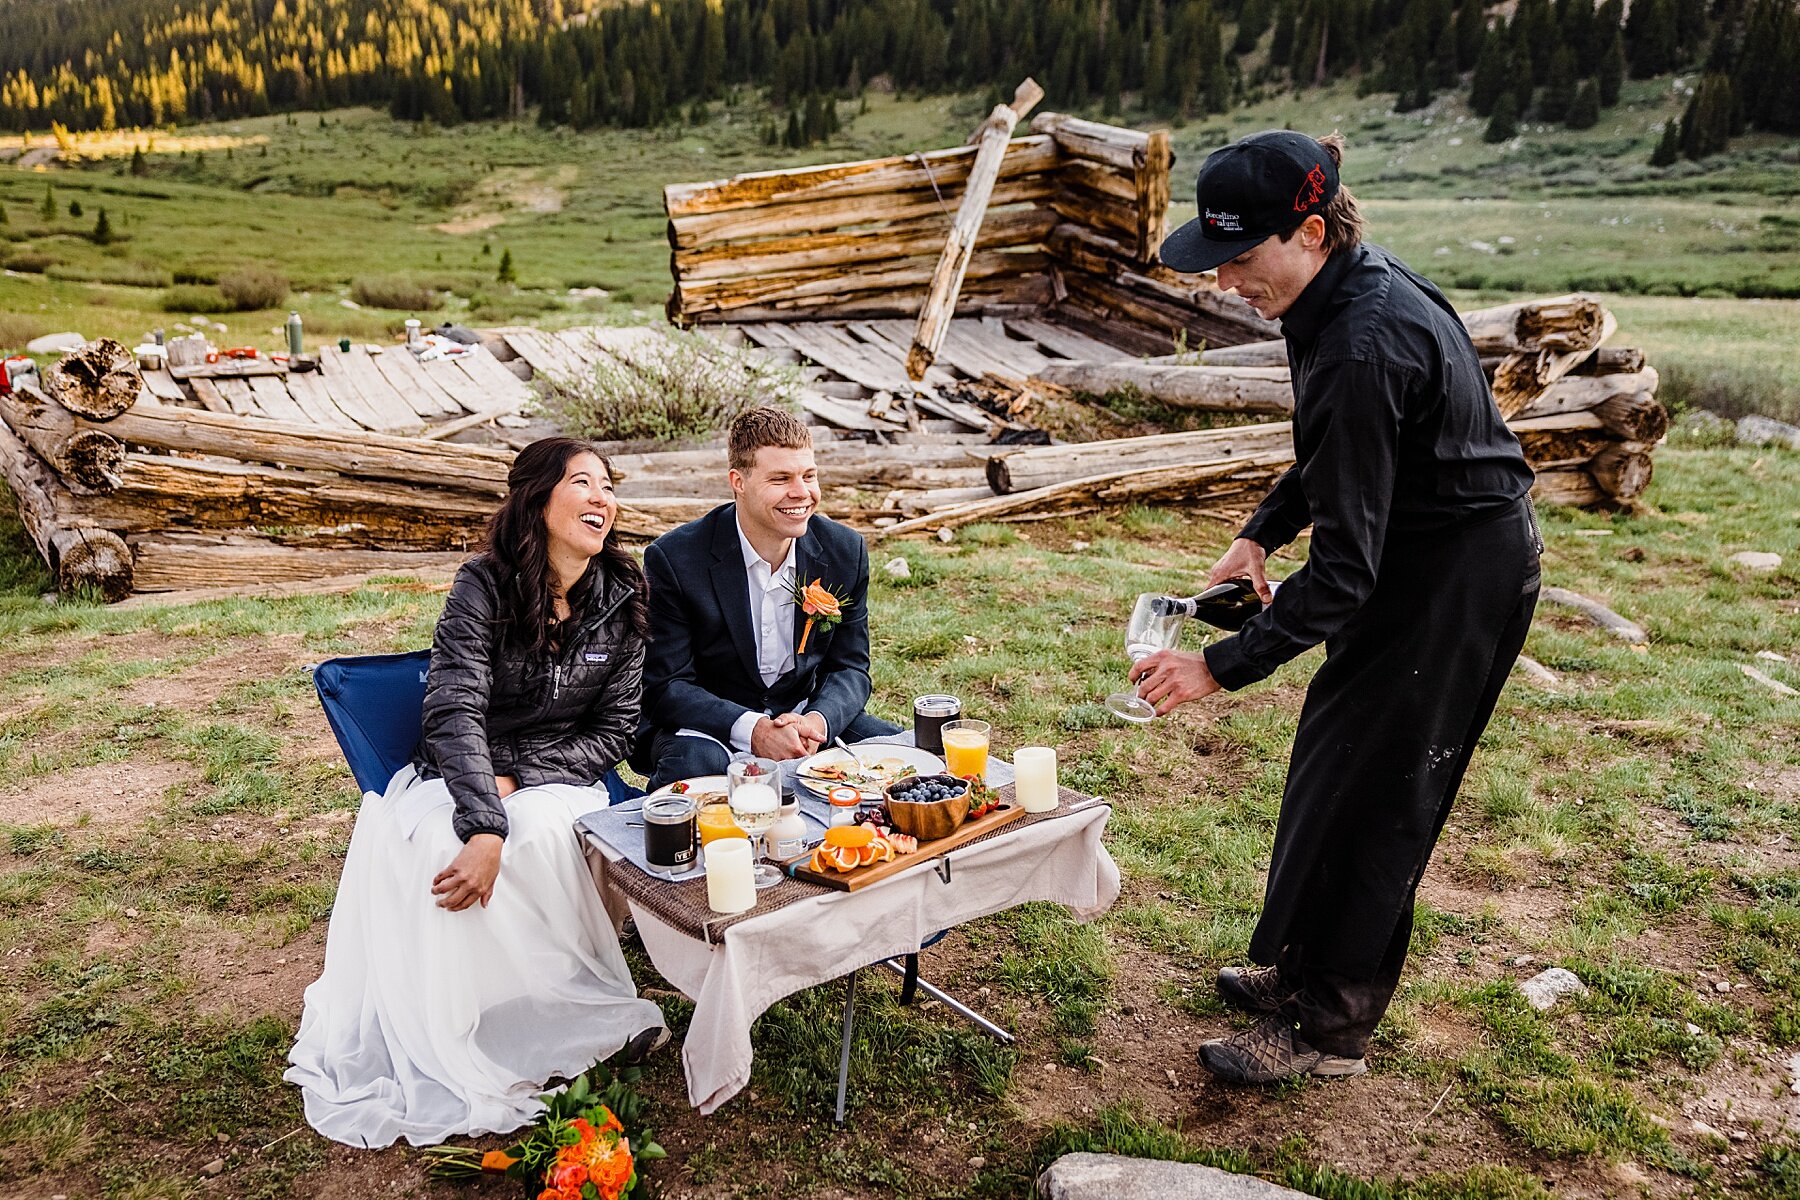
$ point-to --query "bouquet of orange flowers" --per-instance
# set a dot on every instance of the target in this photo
(577, 1150)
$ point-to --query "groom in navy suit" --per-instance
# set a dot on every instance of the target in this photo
(726, 671)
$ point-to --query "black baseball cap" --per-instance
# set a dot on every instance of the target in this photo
(1247, 193)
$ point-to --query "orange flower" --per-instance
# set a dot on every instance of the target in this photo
(819, 602)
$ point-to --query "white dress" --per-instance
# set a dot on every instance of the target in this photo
(428, 1023)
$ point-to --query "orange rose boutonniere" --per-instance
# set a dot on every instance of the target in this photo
(821, 605)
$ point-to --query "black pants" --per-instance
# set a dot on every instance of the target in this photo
(1389, 726)
(676, 757)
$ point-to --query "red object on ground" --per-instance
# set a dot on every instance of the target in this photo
(13, 371)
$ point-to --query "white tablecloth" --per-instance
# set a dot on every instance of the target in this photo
(763, 958)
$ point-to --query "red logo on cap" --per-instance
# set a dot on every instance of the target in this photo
(1312, 190)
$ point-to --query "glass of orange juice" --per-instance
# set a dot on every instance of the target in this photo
(966, 748)
(715, 822)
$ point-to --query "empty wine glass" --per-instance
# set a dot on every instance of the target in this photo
(1150, 629)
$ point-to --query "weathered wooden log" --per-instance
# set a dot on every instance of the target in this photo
(785, 220)
(359, 454)
(1107, 216)
(1520, 378)
(1215, 389)
(1004, 295)
(1023, 470)
(953, 263)
(100, 380)
(1170, 327)
(169, 562)
(1559, 323)
(723, 295)
(947, 169)
(838, 248)
(89, 458)
(1623, 470)
(1612, 360)
(1248, 477)
(1153, 293)
(82, 557)
(1579, 393)
(1152, 201)
(1119, 148)
(1573, 487)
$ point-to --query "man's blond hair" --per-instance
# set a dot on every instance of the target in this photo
(755, 428)
(1343, 220)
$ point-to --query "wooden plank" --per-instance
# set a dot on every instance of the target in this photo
(374, 413)
(162, 385)
(862, 877)
(506, 390)
(892, 338)
(869, 177)
(546, 355)
(229, 368)
(908, 274)
(310, 392)
(1061, 340)
(401, 369)
(1018, 357)
(837, 412)
(239, 397)
(358, 368)
(272, 397)
(208, 395)
(455, 383)
(857, 362)
(1110, 144)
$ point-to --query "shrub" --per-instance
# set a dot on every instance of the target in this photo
(17, 329)
(395, 291)
(253, 288)
(190, 298)
(32, 262)
(123, 274)
(692, 388)
(194, 275)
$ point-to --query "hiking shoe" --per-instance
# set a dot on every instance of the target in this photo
(643, 1044)
(1269, 1052)
(1258, 990)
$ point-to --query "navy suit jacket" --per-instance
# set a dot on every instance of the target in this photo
(701, 671)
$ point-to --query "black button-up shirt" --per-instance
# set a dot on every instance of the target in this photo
(1395, 433)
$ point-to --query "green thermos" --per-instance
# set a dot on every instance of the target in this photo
(295, 344)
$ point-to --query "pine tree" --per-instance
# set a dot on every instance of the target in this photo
(4, 219)
(48, 209)
(1611, 75)
(1559, 90)
(103, 230)
(1505, 122)
(1650, 38)
(140, 167)
(792, 139)
(75, 209)
(1706, 126)
(506, 273)
(1584, 110)
(1669, 148)
(1471, 34)
(1490, 78)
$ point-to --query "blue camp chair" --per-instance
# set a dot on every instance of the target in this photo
(374, 703)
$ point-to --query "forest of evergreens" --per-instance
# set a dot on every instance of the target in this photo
(86, 64)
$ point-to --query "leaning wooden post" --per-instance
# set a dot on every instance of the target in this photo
(946, 281)
(80, 554)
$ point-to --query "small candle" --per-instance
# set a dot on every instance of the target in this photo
(730, 878)
(1034, 778)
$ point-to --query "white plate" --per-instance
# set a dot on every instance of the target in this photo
(871, 752)
(695, 786)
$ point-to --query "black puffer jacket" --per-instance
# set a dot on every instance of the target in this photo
(492, 708)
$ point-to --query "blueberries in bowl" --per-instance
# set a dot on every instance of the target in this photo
(927, 789)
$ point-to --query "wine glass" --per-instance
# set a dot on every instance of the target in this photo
(753, 787)
(1149, 630)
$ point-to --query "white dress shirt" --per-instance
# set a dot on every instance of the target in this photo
(771, 622)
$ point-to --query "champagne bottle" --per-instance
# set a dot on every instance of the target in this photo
(1227, 606)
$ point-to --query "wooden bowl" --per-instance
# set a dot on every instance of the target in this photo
(928, 821)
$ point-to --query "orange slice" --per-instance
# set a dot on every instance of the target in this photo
(868, 855)
(845, 859)
(853, 836)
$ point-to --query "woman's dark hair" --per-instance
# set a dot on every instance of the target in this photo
(519, 545)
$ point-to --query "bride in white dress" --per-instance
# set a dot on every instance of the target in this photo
(469, 958)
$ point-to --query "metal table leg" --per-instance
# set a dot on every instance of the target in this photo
(909, 979)
(909, 975)
(844, 1052)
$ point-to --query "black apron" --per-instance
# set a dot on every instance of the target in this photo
(1387, 730)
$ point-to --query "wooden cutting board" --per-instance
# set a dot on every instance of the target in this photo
(862, 877)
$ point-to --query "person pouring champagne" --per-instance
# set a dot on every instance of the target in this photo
(1421, 580)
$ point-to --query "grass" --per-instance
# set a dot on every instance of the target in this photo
(1626, 824)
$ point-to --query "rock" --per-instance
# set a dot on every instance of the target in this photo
(1771, 656)
(946, 534)
(1693, 1029)
(1547, 987)
(898, 568)
(350, 304)
(1115, 1177)
(1765, 431)
(131, 913)
(1705, 1130)
(55, 343)
(978, 1162)
(1756, 560)
(1078, 547)
(1721, 986)
(1522, 960)
(213, 1167)
(1537, 672)
(1773, 684)
(1794, 1072)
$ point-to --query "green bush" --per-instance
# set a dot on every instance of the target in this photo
(121, 274)
(252, 288)
(190, 298)
(32, 262)
(397, 292)
(692, 388)
(16, 330)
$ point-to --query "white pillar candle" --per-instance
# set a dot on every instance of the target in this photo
(1034, 778)
(730, 882)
